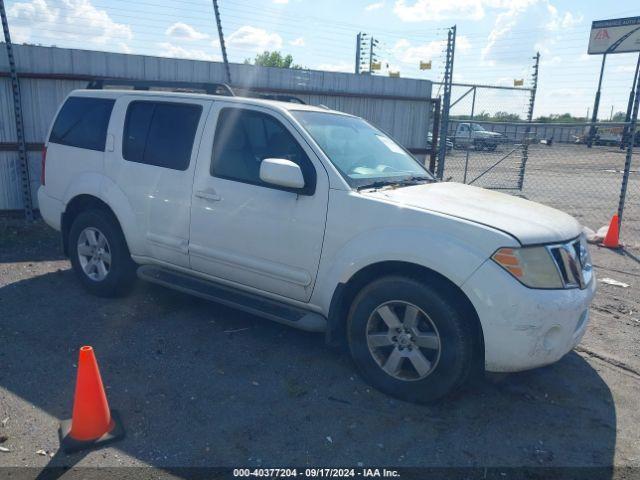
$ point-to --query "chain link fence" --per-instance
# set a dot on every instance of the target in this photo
(477, 111)
(589, 170)
(551, 163)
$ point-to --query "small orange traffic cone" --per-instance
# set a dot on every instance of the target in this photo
(611, 239)
(93, 424)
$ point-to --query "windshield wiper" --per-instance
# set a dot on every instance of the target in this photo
(378, 184)
(413, 180)
(416, 179)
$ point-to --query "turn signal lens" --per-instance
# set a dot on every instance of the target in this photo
(533, 266)
(508, 260)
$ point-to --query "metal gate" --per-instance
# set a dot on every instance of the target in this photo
(488, 135)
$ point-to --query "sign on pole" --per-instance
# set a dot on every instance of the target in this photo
(620, 35)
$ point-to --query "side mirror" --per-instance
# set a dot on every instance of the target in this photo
(281, 172)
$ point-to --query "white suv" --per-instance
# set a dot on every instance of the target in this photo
(316, 219)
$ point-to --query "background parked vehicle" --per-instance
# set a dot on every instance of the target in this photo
(430, 142)
(474, 135)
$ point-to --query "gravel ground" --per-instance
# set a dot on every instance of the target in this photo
(198, 384)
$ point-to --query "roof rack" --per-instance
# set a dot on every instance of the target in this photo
(210, 88)
(277, 96)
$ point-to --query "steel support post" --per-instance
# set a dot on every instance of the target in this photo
(629, 155)
(448, 80)
(596, 105)
(25, 179)
(532, 102)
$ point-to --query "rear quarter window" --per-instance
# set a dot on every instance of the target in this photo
(82, 122)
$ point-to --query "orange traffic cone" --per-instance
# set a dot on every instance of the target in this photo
(93, 424)
(611, 239)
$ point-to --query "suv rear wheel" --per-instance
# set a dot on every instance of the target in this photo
(99, 254)
(409, 340)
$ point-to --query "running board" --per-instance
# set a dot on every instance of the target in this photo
(232, 297)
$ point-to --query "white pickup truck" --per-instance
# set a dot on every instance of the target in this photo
(474, 135)
(316, 219)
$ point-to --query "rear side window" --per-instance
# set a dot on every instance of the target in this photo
(82, 122)
(160, 133)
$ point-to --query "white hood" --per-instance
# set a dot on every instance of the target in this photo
(529, 222)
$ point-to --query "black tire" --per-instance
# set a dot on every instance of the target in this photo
(492, 147)
(457, 340)
(122, 269)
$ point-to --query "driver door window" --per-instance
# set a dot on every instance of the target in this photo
(244, 138)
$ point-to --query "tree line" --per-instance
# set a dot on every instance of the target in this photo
(552, 118)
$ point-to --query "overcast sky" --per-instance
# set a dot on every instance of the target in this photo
(495, 42)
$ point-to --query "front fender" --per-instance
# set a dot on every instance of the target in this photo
(445, 254)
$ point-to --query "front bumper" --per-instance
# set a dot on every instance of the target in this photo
(526, 328)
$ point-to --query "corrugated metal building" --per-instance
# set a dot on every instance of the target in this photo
(400, 106)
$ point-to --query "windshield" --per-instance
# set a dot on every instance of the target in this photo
(364, 155)
(477, 128)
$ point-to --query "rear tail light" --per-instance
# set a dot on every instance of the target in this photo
(44, 163)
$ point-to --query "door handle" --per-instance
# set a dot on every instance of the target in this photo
(208, 195)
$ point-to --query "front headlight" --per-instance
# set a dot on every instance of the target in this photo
(533, 266)
(585, 260)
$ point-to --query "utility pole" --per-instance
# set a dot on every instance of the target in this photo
(365, 53)
(532, 102)
(361, 49)
(596, 104)
(448, 81)
(358, 40)
(372, 54)
(216, 10)
(17, 113)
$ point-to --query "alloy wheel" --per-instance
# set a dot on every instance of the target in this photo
(403, 340)
(94, 254)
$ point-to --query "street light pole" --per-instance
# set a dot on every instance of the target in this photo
(596, 104)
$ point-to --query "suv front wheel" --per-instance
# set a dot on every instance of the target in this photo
(99, 254)
(409, 340)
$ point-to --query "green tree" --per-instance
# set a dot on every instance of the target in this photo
(559, 118)
(619, 117)
(273, 59)
(485, 116)
(506, 117)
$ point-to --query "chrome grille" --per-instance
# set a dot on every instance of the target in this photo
(573, 263)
